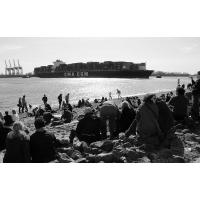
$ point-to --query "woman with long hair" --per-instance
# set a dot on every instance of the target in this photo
(17, 145)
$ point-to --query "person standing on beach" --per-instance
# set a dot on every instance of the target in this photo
(20, 104)
(66, 104)
(60, 100)
(110, 96)
(44, 99)
(118, 93)
(24, 104)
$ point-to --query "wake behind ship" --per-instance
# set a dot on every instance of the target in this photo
(107, 69)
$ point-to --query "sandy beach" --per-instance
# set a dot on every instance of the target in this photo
(121, 149)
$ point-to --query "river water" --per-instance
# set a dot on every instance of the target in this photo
(34, 88)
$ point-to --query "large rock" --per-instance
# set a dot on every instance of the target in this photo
(133, 154)
(144, 159)
(176, 159)
(131, 139)
(105, 157)
(177, 147)
(190, 137)
(127, 145)
(97, 144)
(82, 160)
(119, 152)
(64, 158)
(105, 145)
(95, 151)
(76, 155)
(186, 131)
(91, 158)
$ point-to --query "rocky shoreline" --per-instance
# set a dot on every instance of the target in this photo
(184, 145)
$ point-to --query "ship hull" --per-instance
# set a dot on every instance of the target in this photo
(97, 74)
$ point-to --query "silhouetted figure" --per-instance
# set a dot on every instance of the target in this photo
(42, 144)
(24, 104)
(60, 100)
(20, 104)
(88, 128)
(8, 119)
(44, 99)
(180, 105)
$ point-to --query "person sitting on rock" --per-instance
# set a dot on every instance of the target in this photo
(17, 145)
(66, 105)
(88, 128)
(165, 119)
(42, 143)
(180, 105)
(67, 116)
(15, 116)
(126, 117)
(47, 107)
(8, 119)
(109, 114)
(147, 126)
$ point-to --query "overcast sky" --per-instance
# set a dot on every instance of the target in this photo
(160, 54)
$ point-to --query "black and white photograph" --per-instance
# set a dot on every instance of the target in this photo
(91, 100)
(99, 99)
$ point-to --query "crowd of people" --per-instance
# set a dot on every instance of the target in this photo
(150, 120)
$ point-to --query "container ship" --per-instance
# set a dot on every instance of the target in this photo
(107, 69)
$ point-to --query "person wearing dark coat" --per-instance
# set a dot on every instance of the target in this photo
(67, 116)
(88, 128)
(42, 144)
(17, 145)
(8, 119)
(165, 119)
(60, 100)
(180, 105)
(44, 99)
(126, 117)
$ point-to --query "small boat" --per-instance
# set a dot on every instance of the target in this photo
(158, 76)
